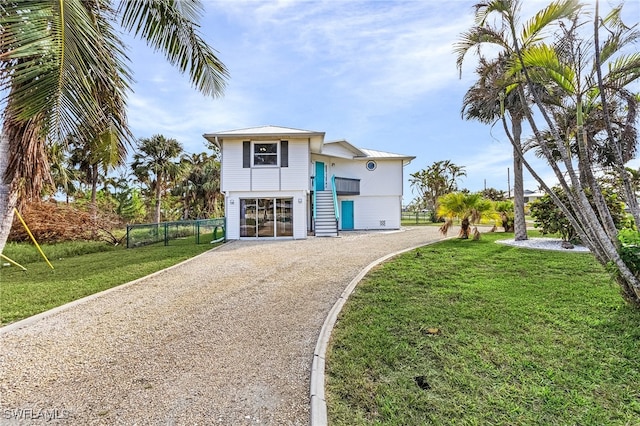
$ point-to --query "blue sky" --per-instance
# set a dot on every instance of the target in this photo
(380, 74)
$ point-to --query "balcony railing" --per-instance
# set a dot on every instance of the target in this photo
(347, 186)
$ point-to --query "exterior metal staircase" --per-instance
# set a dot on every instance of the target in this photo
(326, 223)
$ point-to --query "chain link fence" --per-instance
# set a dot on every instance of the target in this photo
(409, 218)
(203, 231)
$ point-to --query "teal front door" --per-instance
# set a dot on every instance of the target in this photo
(347, 215)
(319, 179)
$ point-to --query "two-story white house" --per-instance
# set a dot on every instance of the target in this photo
(280, 182)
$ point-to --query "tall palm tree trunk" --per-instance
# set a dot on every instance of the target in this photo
(519, 223)
(94, 192)
(8, 198)
(158, 200)
(465, 229)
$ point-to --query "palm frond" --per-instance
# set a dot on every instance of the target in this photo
(28, 165)
(52, 56)
(543, 61)
(619, 35)
(624, 70)
(560, 9)
(444, 228)
(506, 8)
(475, 38)
(171, 27)
(55, 60)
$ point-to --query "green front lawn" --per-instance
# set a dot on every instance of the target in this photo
(478, 333)
(81, 269)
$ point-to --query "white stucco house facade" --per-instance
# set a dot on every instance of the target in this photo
(280, 182)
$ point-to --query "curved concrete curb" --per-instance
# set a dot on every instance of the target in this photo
(37, 317)
(318, 401)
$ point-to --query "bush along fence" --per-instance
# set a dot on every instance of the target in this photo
(202, 231)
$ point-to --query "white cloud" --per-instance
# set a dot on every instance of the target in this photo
(397, 50)
(381, 74)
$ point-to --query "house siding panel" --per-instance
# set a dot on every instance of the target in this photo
(299, 216)
(267, 179)
(234, 176)
(296, 176)
(232, 212)
(377, 212)
(385, 180)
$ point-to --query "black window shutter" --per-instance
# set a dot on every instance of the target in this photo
(246, 155)
(284, 153)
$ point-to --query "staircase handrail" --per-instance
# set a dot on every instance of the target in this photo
(335, 198)
(315, 210)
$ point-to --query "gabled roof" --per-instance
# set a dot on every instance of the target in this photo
(362, 153)
(357, 152)
(370, 153)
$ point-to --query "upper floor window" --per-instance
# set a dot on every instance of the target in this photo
(258, 154)
(265, 154)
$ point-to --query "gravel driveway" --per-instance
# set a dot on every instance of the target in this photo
(225, 338)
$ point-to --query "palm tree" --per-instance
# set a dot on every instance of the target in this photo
(200, 187)
(564, 69)
(595, 102)
(505, 210)
(493, 95)
(470, 209)
(156, 165)
(436, 180)
(95, 157)
(487, 101)
(65, 71)
(63, 175)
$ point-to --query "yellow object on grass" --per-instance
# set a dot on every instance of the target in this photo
(13, 262)
(32, 238)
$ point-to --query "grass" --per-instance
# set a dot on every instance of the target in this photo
(478, 333)
(81, 269)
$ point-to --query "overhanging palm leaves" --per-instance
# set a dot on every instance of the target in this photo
(168, 26)
(54, 57)
(63, 71)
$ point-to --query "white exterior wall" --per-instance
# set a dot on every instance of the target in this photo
(296, 176)
(232, 213)
(374, 212)
(232, 176)
(379, 204)
(265, 182)
(236, 178)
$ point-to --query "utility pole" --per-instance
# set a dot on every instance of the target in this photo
(509, 182)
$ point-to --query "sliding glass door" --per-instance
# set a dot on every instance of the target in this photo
(266, 217)
(284, 217)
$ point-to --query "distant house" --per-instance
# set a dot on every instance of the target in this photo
(280, 182)
(530, 196)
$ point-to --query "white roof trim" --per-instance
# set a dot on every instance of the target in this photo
(264, 131)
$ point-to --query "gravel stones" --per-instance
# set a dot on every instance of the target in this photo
(226, 338)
